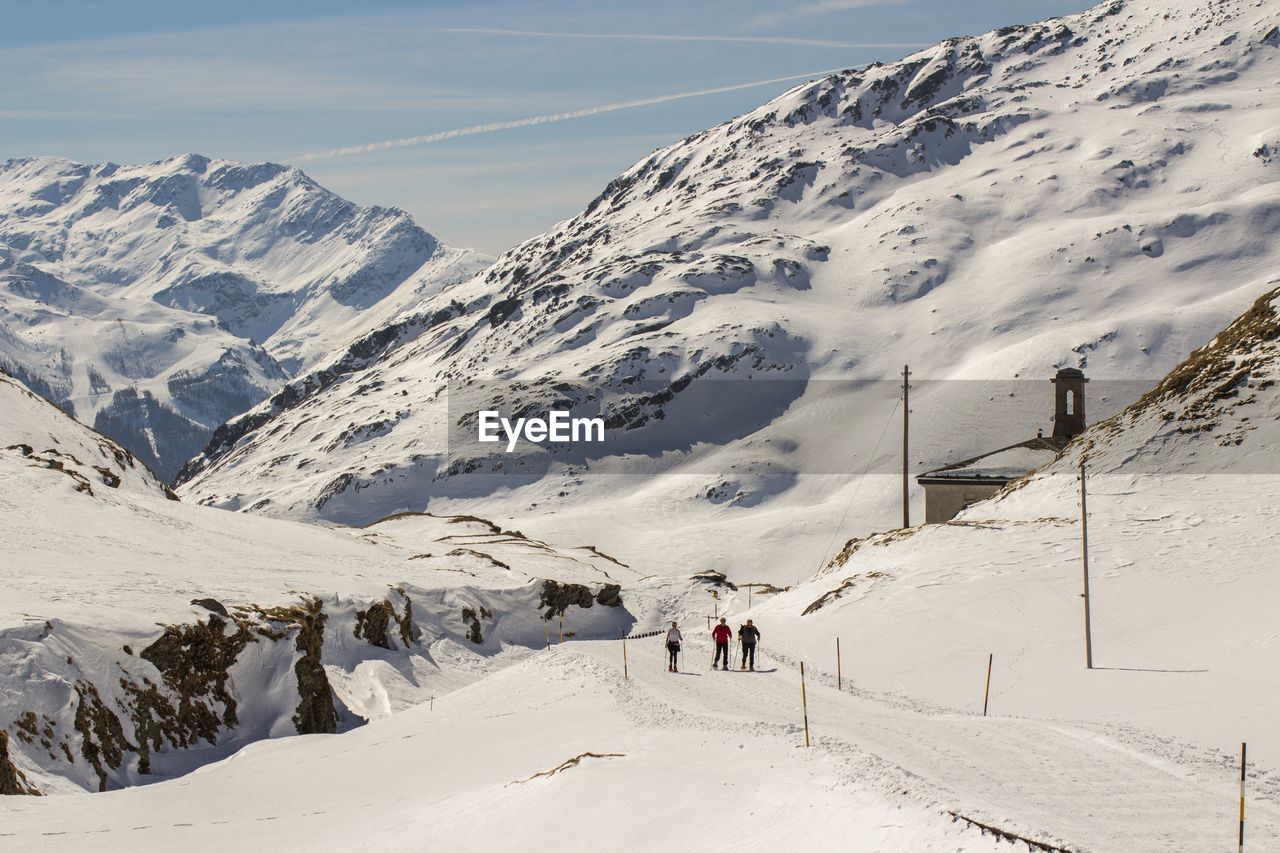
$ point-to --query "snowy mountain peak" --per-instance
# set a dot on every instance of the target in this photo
(158, 301)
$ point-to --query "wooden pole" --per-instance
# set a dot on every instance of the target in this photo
(625, 674)
(804, 702)
(1084, 561)
(1242, 766)
(562, 627)
(749, 596)
(547, 625)
(838, 679)
(906, 467)
(433, 703)
(986, 694)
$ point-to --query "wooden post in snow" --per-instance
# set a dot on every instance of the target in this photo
(625, 675)
(986, 694)
(838, 679)
(1084, 561)
(1242, 766)
(906, 466)
(804, 702)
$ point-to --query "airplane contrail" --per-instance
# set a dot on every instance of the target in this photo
(788, 40)
(491, 127)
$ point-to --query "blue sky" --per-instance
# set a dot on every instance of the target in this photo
(139, 81)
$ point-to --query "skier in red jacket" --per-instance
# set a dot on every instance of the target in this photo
(722, 633)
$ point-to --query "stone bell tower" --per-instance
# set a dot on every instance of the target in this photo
(1068, 403)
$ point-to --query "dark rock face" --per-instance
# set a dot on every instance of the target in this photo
(103, 743)
(194, 661)
(372, 624)
(12, 780)
(558, 597)
(212, 605)
(610, 595)
(471, 618)
(316, 713)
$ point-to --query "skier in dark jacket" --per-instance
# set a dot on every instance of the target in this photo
(722, 633)
(673, 646)
(748, 635)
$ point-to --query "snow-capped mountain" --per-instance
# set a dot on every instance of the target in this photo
(156, 302)
(1095, 191)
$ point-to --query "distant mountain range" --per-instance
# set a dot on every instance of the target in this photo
(155, 302)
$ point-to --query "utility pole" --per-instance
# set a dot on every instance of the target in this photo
(906, 426)
(1084, 561)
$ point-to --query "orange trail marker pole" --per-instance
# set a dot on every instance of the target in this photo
(986, 695)
(838, 678)
(804, 702)
(1242, 766)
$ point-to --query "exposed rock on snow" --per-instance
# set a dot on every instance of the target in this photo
(290, 628)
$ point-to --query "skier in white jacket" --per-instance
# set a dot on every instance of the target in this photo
(673, 646)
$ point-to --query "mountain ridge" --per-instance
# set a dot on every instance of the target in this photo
(159, 300)
(995, 206)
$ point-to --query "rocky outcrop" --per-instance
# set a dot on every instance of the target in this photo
(372, 624)
(472, 619)
(102, 740)
(12, 780)
(194, 661)
(126, 711)
(558, 597)
(375, 623)
(316, 713)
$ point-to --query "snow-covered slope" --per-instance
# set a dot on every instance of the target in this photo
(1130, 756)
(1184, 532)
(157, 301)
(141, 637)
(1095, 191)
(36, 434)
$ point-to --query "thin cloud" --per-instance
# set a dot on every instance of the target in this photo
(787, 40)
(813, 10)
(492, 127)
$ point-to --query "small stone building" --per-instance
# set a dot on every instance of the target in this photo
(950, 489)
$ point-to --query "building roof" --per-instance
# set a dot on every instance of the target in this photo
(998, 466)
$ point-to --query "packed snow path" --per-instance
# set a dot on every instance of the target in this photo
(1113, 790)
(683, 759)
